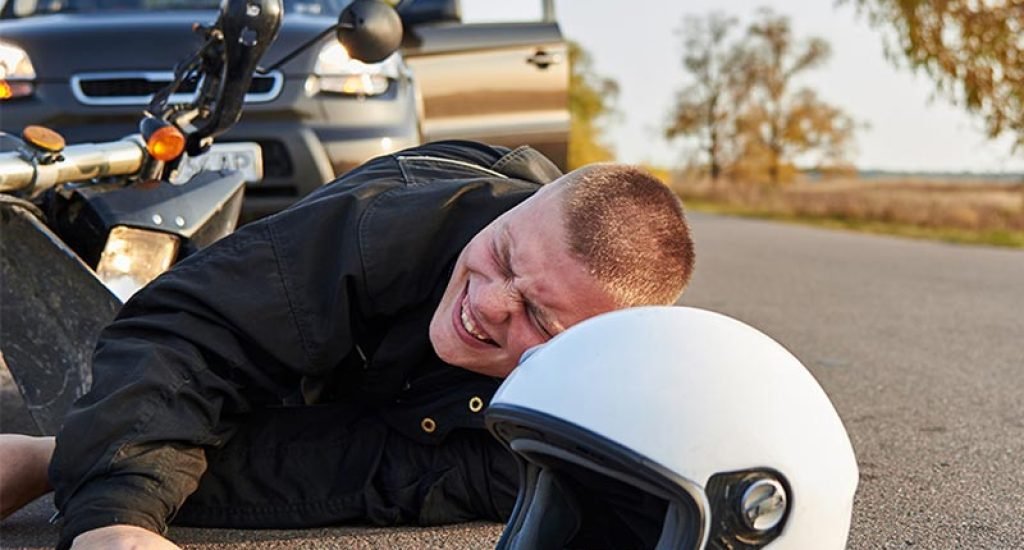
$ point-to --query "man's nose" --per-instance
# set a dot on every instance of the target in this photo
(493, 302)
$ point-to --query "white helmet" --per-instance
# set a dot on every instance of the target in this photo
(672, 427)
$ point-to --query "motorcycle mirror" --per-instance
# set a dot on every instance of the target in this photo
(244, 30)
(370, 30)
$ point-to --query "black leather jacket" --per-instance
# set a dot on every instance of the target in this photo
(328, 300)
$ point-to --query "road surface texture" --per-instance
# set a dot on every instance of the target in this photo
(919, 344)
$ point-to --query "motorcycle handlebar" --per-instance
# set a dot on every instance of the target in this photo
(81, 162)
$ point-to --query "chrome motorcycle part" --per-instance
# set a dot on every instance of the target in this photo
(81, 162)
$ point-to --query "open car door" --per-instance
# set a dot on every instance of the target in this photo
(503, 82)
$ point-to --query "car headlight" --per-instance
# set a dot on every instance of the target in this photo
(336, 72)
(17, 76)
(134, 257)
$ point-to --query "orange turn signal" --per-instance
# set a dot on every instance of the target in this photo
(43, 138)
(5, 90)
(166, 144)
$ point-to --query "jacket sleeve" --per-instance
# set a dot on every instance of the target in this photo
(232, 327)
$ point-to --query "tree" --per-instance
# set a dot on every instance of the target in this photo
(777, 124)
(591, 102)
(972, 48)
(705, 109)
(741, 104)
(803, 127)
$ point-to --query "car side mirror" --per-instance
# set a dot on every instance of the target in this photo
(370, 30)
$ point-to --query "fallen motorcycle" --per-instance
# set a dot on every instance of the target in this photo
(86, 225)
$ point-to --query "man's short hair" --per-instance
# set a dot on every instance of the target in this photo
(630, 231)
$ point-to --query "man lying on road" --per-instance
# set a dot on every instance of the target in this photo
(331, 363)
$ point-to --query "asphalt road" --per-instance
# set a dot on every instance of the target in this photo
(920, 345)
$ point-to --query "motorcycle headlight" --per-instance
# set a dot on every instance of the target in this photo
(17, 76)
(134, 257)
(336, 72)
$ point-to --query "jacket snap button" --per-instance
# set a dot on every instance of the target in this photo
(428, 425)
(476, 404)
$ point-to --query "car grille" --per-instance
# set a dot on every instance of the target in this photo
(137, 88)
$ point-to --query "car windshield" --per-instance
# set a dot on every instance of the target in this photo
(28, 8)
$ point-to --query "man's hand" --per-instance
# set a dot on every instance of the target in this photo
(121, 537)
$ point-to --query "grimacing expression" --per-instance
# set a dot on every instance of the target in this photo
(515, 285)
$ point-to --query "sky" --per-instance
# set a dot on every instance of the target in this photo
(905, 126)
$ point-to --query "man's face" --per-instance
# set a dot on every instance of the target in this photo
(515, 285)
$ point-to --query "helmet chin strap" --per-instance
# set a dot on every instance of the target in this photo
(552, 517)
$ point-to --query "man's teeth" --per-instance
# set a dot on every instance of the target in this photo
(470, 327)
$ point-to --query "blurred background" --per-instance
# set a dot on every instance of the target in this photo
(905, 124)
(887, 115)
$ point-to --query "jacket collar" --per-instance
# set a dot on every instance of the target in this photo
(525, 163)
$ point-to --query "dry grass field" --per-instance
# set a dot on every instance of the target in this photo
(955, 210)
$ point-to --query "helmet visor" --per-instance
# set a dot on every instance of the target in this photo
(578, 490)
